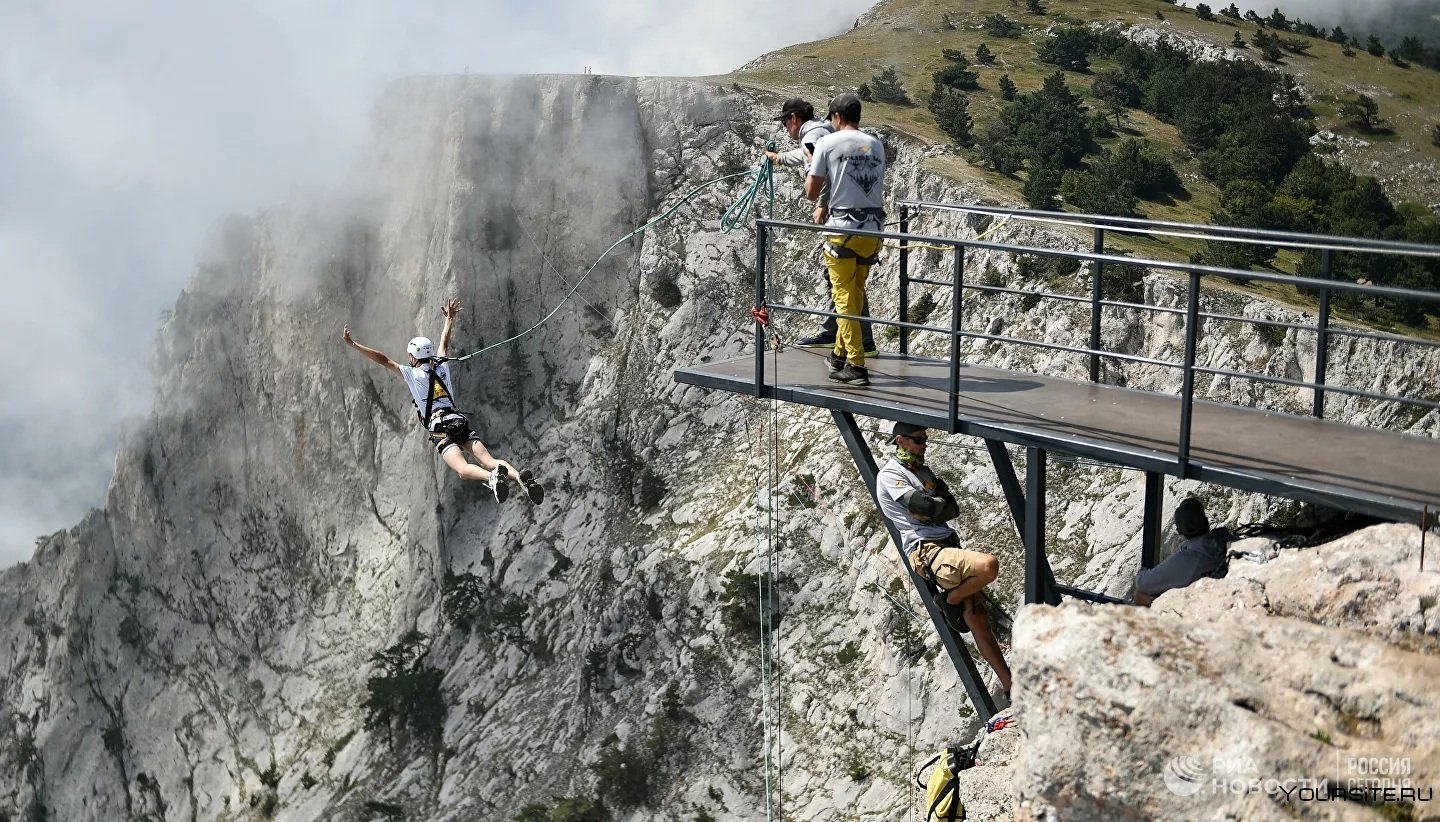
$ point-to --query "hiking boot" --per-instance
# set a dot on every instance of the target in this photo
(533, 488)
(870, 349)
(852, 375)
(498, 486)
(954, 616)
(821, 340)
(834, 363)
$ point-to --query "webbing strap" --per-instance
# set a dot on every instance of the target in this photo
(430, 394)
(843, 252)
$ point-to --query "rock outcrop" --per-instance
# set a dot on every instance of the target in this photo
(1257, 696)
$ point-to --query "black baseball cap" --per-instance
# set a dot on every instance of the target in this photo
(905, 429)
(795, 105)
(847, 105)
(1190, 519)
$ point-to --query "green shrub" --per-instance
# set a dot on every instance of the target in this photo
(623, 775)
(743, 594)
(406, 696)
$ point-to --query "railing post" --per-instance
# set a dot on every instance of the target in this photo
(1097, 293)
(955, 319)
(1187, 392)
(1322, 337)
(904, 278)
(761, 238)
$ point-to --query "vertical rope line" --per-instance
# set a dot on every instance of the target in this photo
(774, 577)
(760, 536)
(910, 735)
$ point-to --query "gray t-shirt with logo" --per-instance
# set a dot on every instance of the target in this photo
(854, 163)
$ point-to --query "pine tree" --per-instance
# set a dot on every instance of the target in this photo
(1034, 6)
(1007, 87)
(1375, 47)
(1041, 188)
(1203, 12)
(1238, 42)
(1362, 112)
(885, 87)
(998, 25)
(952, 113)
(983, 55)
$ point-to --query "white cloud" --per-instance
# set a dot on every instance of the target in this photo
(131, 126)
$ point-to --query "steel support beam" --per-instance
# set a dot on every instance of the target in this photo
(1153, 527)
(958, 651)
(1036, 563)
(1015, 497)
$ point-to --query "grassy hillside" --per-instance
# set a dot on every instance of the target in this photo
(911, 34)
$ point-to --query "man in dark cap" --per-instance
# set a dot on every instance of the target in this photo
(798, 119)
(1202, 554)
(920, 505)
(852, 164)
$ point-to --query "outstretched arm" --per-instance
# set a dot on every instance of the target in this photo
(450, 309)
(370, 353)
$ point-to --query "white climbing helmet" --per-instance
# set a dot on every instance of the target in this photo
(421, 348)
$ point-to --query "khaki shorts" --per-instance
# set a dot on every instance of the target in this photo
(944, 564)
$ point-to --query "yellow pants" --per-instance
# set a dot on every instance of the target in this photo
(847, 285)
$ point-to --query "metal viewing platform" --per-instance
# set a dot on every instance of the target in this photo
(1379, 472)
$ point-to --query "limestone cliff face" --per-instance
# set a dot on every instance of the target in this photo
(203, 646)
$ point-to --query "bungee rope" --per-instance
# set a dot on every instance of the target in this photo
(764, 181)
(763, 176)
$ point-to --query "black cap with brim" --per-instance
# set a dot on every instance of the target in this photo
(795, 105)
(905, 429)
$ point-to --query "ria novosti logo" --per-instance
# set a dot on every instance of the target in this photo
(1185, 775)
(1364, 779)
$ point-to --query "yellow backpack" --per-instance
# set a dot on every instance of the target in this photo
(942, 794)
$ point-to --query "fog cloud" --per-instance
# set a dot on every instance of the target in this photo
(132, 126)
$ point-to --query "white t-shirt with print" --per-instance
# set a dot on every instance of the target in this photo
(418, 381)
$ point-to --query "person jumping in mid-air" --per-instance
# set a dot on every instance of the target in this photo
(428, 378)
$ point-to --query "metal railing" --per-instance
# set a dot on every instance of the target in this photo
(1098, 259)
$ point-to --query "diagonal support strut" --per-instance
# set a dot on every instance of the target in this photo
(959, 653)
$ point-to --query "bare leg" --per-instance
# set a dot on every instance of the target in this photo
(978, 619)
(482, 456)
(455, 458)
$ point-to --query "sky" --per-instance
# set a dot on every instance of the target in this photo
(128, 128)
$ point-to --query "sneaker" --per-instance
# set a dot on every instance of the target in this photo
(533, 488)
(834, 363)
(871, 350)
(821, 340)
(498, 486)
(852, 375)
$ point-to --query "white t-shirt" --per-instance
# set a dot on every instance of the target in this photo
(895, 481)
(418, 381)
(854, 164)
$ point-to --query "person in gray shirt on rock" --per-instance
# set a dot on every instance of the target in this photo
(1203, 554)
(920, 505)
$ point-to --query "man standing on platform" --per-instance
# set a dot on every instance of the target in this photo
(919, 504)
(853, 163)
